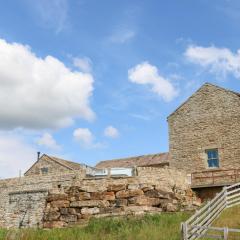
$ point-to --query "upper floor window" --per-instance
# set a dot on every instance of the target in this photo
(212, 158)
(44, 170)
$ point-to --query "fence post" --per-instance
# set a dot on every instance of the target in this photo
(225, 234)
(184, 231)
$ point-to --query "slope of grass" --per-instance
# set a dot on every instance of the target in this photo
(230, 218)
(165, 226)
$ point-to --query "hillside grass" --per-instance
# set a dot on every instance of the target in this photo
(165, 226)
(230, 218)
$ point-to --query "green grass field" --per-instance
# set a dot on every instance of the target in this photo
(165, 226)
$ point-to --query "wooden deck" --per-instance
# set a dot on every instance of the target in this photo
(215, 178)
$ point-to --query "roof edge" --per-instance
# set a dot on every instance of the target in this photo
(126, 158)
(205, 84)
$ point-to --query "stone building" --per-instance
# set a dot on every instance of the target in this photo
(204, 143)
(52, 165)
(204, 136)
(151, 160)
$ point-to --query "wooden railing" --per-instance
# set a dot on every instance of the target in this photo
(215, 177)
(199, 224)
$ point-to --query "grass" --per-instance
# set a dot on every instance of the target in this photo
(230, 218)
(163, 226)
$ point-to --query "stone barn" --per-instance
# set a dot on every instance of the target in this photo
(204, 138)
(46, 165)
(150, 160)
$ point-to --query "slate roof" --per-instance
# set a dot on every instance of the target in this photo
(69, 164)
(145, 160)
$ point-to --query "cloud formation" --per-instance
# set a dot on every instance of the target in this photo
(220, 61)
(15, 155)
(47, 140)
(84, 64)
(111, 132)
(39, 93)
(84, 136)
(147, 74)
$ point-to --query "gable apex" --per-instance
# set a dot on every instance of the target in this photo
(207, 84)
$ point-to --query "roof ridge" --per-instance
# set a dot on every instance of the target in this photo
(136, 156)
(55, 159)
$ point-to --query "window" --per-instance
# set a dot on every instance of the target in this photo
(212, 158)
(44, 170)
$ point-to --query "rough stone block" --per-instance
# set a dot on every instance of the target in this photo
(84, 196)
(57, 197)
(144, 201)
(110, 196)
(116, 187)
(90, 203)
(129, 193)
(133, 186)
(60, 203)
(90, 211)
(121, 202)
(68, 218)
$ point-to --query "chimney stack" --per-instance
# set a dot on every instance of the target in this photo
(38, 155)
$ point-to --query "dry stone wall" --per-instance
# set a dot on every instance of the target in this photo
(22, 200)
(63, 200)
(115, 197)
(152, 191)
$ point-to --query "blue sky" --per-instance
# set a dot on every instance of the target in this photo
(91, 80)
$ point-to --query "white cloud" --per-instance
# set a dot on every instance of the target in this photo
(84, 64)
(220, 61)
(147, 74)
(84, 136)
(15, 155)
(52, 14)
(48, 141)
(111, 132)
(122, 35)
(38, 93)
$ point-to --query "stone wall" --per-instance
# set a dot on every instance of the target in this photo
(210, 119)
(61, 200)
(117, 197)
(25, 208)
(22, 199)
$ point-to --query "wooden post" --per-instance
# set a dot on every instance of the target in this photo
(184, 231)
(225, 233)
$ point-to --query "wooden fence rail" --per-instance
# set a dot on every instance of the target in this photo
(199, 224)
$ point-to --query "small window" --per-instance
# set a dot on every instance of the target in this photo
(44, 170)
(212, 158)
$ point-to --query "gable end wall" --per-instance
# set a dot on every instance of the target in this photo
(210, 119)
